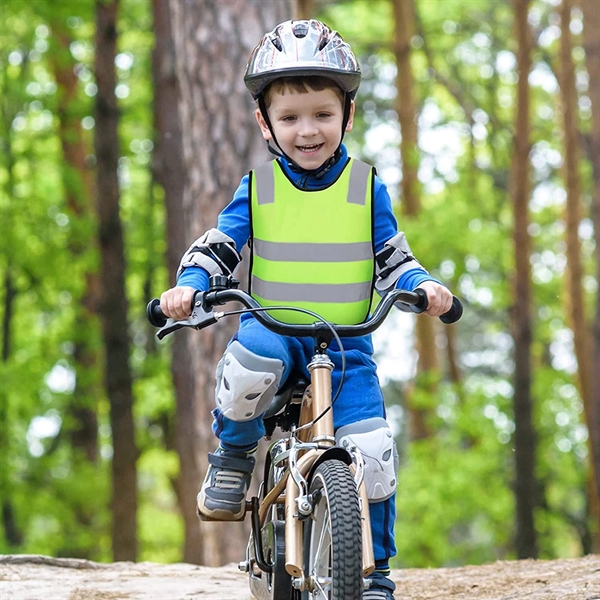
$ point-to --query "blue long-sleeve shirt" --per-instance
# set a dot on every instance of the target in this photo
(234, 221)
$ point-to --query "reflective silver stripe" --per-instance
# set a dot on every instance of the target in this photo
(338, 293)
(359, 179)
(265, 183)
(298, 252)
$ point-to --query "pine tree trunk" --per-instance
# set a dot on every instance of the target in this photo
(117, 373)
(78, 190)
(170, 173)
(220, 142)
(576, 304)
(427, 366)
(591, 19)
(524, 437)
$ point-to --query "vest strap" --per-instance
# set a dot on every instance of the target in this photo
(265, 183)
(359, 177)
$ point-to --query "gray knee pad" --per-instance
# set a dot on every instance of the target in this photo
(246, 382)
(373, 437)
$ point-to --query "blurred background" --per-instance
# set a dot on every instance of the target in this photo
(125, 128)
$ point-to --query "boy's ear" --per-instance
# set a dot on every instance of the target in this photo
(351, 117)
(264, 128)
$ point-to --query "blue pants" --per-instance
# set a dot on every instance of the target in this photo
(359, 399)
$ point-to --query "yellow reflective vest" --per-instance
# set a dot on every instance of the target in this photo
(313, 249)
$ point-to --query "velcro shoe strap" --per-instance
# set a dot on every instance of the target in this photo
(231, 463)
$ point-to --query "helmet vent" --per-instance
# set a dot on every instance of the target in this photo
(276, 42)
(323, 42)
(300, 30)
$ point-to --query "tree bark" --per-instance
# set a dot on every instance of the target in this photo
(406, 107)
(304, 9)
(575, 271)
(117, 372)
(219, 144)
(78, 189)
(170, 174)
(524, 437)
(591, 43)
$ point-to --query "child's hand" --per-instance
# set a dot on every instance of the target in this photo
(177, 302)
(439, 297)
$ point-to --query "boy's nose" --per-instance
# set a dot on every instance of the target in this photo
(308, 129)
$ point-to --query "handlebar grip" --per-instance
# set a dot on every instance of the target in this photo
(154, 314)
(454, 314)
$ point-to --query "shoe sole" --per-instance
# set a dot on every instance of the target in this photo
(217, 514)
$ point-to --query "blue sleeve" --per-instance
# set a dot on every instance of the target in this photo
(385, 227)
(194, 277)
(234, 221)
(413, 279)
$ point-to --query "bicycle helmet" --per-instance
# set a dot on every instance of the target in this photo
(300, 49)
(297, 48)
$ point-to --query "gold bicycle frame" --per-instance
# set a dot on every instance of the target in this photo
(316, 402)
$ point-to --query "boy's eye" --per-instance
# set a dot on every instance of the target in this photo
(288, 118)
(323, 115)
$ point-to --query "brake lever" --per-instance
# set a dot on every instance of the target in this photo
(199, 319)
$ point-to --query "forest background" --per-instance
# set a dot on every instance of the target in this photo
(125, 128)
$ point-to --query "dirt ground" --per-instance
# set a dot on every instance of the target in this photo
(31, 577)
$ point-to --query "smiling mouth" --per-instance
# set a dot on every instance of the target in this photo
(310, 148)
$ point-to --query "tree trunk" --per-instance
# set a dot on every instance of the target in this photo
(524, 438)
(78, 190)
(304, 9)
(220, 142)
(427, 366)
(170, 173)
(591, 43)
(117, 373)
(576, 307)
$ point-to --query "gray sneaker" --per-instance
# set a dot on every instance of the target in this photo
(381, 588)
(223, 493)
(378, 594)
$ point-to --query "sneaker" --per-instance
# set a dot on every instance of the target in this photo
(381, 588)
(378, 593)
(223, 493)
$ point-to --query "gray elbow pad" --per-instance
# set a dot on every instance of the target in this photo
(214, 251)
(392, 261)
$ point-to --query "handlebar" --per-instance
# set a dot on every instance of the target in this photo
(202, 315)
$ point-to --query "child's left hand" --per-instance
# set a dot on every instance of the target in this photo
(439, 297)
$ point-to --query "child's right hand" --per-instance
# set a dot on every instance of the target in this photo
(177, 302)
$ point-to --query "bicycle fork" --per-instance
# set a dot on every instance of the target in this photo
(297, 504)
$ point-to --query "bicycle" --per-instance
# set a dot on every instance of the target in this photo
(310, 536)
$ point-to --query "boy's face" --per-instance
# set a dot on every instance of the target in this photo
(308, 126)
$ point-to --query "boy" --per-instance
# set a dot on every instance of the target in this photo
(322, 235)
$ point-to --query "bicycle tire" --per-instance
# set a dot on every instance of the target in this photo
(333, 536)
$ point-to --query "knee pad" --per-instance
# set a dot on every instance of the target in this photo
(246, 382)
(374, 439)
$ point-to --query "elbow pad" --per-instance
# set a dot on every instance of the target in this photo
(392, 261)
(214, 251)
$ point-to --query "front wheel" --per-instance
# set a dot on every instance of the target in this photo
(332, 536)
